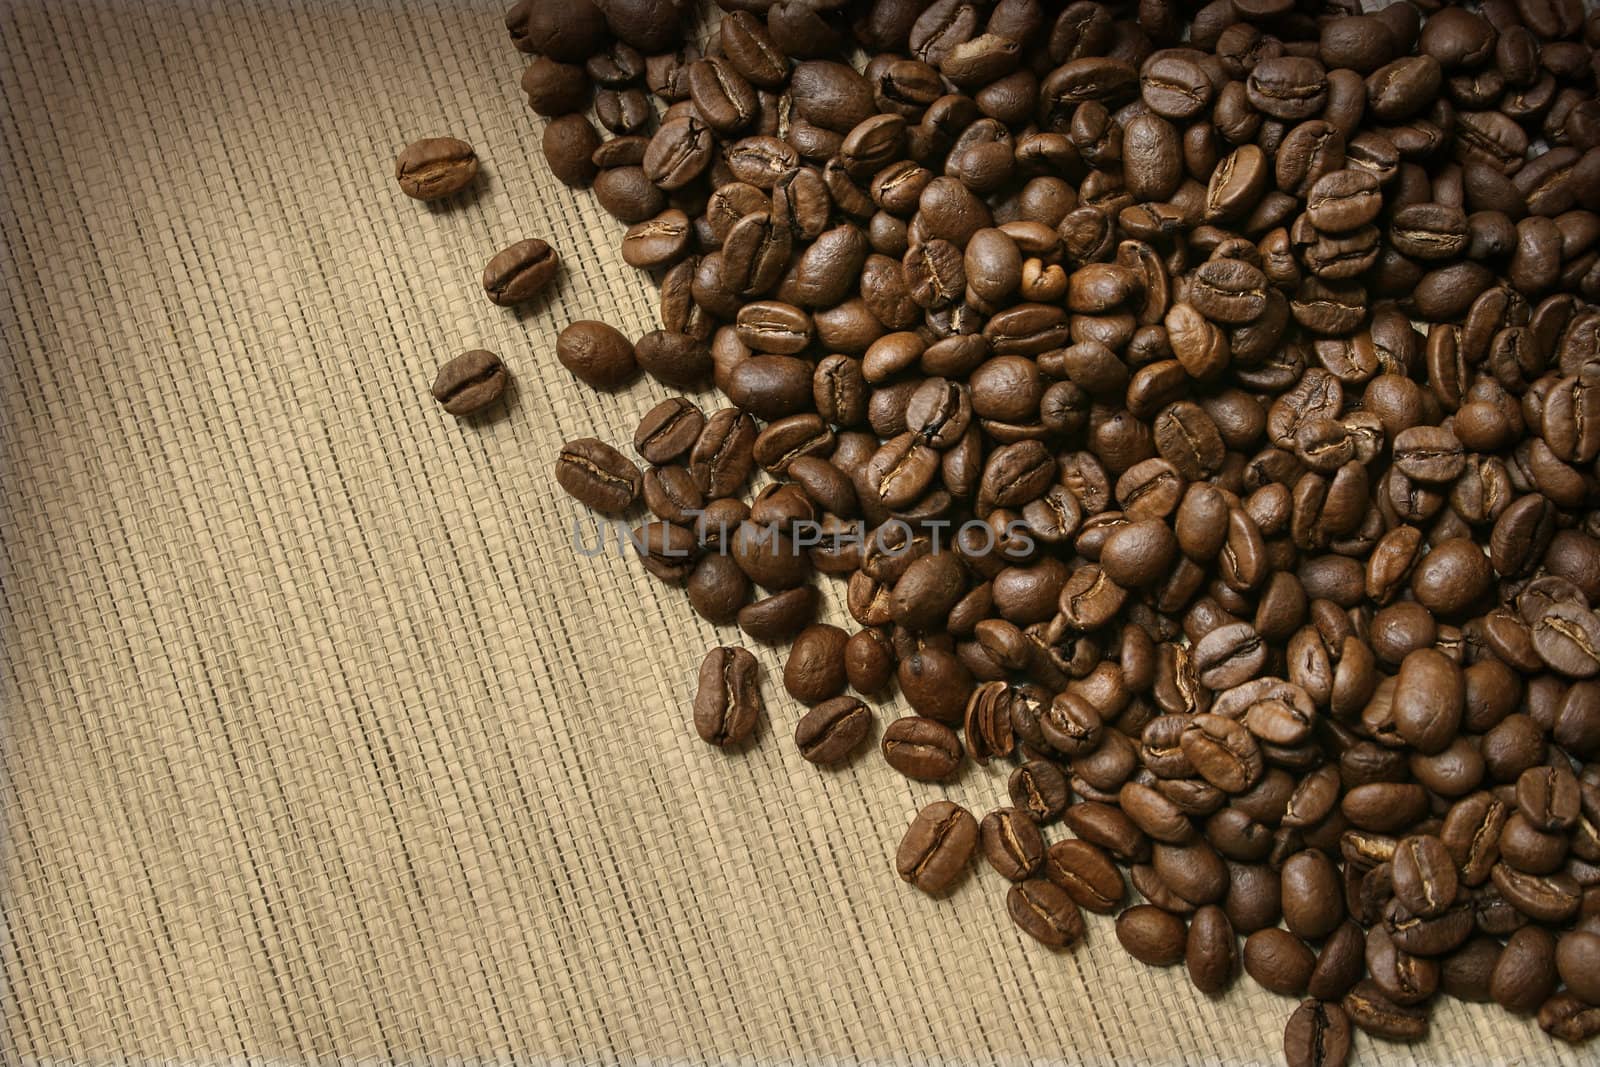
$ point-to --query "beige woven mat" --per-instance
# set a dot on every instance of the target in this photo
(322, 744)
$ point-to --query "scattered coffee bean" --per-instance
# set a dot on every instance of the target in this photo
(521, 272)
(727, 705)
(436, 167)
(470, 383)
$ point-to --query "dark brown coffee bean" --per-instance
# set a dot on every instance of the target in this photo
(922, 748)
(1424, 876)
(727, 705)
(1151, 935)
(1525, 975)
(521, 272)
(1011, 843)
(722, 457)
(830, 733)
(1046, 913)
(1567, 638)
(1318, 1033)
(436, 167)
(668, 430)
(1374, 1013)
(1570, 1019)
(1578, 962)
(1209, 953)
(470, 383)
(1279, 961)
(1222, 750)
(598, 476)
(937, 846)
(1229, 656)
(1312, 905)
(597, 354)
(1086, 873)
(776, 619)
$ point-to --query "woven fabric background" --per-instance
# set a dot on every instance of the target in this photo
(321, 743)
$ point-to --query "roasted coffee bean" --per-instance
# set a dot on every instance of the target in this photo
(1279, 961)
(666, 431)
(598, 476)
(1011, 843)
(470, 383)
(521, 272)
(1046, 913)
(937, 846)
(1376, 1014)
(597, 354)
(922, 748)
(436, 167)
(1317, 1035)
(727, 705)
(1151, 935)
(831, 732)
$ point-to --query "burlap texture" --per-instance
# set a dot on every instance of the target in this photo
(322, 745)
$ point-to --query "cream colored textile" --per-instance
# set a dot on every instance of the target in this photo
(322, 745)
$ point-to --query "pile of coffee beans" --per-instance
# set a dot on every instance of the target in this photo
(1202, 404)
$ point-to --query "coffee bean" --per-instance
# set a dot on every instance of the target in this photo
(1279, 961)
(666, 431)
(598, 476)
(937, 846)
(1376, 1014)
(1570, 1019)
(436, 167)
(598, 354)
(520, 272)
(727, 705)
(1318, 1035)
(1039, 788)
(1011, 843)
(831, 732)
(470, 383)
(922, 748)
(1151, 935)
(1045, 912)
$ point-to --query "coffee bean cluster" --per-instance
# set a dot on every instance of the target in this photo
(1218, 387)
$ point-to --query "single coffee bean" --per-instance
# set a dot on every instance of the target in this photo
(1525, 975)
(570, 144)
(1376, 1014)
(1279, 961)
(937, 846)
(1570, 1019)
(1039, 788)
(1209, 952)
(1011, 843)
(1578, 962)
(1151, 935)
(727, 705)
(598, 476)
(436, 167)
(1086, 873)
(598, 354)
(815, 669)
(470, 383)
(1318, 1034)
(1045, 912)
(922, 748)
(833, 730)
(668, 430)
(521, 272)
